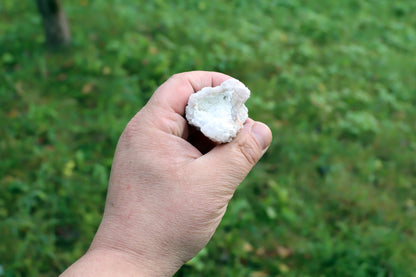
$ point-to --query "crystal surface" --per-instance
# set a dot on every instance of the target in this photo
(219, 112)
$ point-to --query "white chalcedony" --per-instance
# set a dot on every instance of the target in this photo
(219, 112)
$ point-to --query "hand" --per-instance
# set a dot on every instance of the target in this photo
(166, 195)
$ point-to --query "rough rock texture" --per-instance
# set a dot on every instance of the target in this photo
(219, 112)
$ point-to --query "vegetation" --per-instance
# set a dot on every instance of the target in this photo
(335, 80)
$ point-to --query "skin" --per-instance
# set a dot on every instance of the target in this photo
(169, 186)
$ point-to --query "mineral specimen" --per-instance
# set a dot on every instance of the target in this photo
(219, 112)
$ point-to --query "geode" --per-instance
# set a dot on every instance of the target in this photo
(219, 112)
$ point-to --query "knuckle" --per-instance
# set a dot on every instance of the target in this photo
(130, 130)
(177, 76)
(171, 123)
(134, 126)
(249, 149)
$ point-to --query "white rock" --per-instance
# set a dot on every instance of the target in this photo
(219, 112)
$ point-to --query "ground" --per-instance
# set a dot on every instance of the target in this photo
(335, 80)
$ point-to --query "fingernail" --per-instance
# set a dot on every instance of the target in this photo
(262, 134)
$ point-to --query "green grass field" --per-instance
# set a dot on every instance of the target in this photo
(335, 195)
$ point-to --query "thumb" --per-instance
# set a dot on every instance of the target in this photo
(234, 160)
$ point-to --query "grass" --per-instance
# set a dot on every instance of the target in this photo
(335, 80)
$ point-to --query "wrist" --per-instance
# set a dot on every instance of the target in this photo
(102, 261)
(144, 252)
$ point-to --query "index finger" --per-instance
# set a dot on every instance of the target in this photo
(174, 93)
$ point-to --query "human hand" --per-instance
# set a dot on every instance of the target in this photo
(167, 196)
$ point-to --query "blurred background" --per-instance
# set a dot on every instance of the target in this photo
(335, 80)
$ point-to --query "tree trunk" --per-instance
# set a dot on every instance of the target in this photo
(55, 23)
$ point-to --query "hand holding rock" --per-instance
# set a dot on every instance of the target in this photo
(165, 196)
